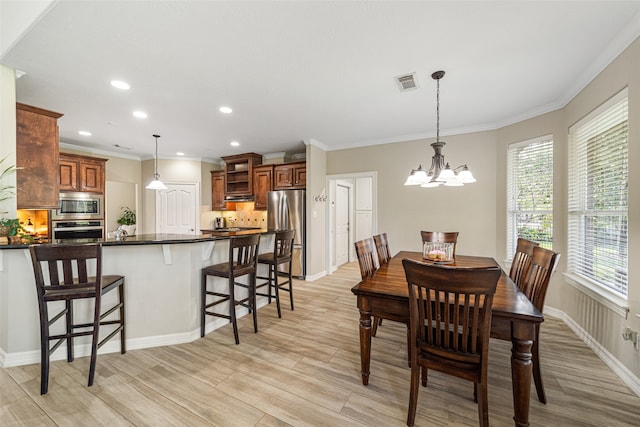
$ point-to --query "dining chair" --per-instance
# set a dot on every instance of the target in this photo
(442, 237)
(382, 248)
(366, 260)
(281, 254)
(450, 324)
(534, 286)
(521, 260)
(66, 277)
(242, 261)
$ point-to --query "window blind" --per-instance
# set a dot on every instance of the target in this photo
(598, 196)
(530, 193)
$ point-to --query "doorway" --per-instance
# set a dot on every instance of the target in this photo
(177, 209)
(343, 221)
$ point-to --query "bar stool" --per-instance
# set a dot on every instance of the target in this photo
(282, 249)
(242, 259)
(68, 288)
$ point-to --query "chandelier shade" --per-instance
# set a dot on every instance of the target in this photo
(156, 184)
(440, 172)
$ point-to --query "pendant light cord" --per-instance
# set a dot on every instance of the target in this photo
(437, 110)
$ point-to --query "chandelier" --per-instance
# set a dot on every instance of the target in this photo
(440, 172)
(156, 184)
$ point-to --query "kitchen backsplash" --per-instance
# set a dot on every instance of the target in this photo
(243, 216)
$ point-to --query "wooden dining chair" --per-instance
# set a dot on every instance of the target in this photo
(450, 324)
(242, 261)
(366, 257)
(534, 286)
(521, 260)
(382, 248)
(68, 277)
(442, 237)
(281, 255)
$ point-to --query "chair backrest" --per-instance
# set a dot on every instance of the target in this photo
(536, 282)
(521, 260)
(70, 266)
(441, 236)
(243, 251)
(283, 245)
(382, 247)
(450, 310)
(364, 252)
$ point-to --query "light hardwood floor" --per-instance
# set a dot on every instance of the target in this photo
(304, 370)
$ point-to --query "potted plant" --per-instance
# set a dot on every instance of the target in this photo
(127, 220)
(12, 229)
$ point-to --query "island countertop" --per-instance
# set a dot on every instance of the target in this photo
(152, 239)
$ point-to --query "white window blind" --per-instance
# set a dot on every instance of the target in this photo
(598, 194)
(530, 193)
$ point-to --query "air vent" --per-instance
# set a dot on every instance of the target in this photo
(407, 82)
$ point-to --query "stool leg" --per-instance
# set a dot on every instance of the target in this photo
(277, 288)
(44, 349)
(232, 308)
(203, 302)
(94, 339)
(123, 346)
(252, 300)
(269, 285)
(290, 286)
(69, 326)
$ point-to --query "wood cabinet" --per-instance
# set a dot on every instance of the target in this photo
(36, 157)
(239, 173)
(262, 184)
(289, 176)
(81, 173)
(217, 190)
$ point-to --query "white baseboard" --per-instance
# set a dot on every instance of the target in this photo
(628, 377)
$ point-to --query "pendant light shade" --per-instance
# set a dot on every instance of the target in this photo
(440, 172)
(156, 184)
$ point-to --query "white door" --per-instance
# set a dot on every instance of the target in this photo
(176, 208)
(342, 224)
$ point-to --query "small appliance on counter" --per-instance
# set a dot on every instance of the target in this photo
(219, 222)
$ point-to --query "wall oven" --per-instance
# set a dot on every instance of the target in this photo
(92, 229)
(79, 206)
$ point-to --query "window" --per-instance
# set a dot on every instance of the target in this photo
(530, 193)
(598, 192)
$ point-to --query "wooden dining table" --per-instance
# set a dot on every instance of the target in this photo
(385, 295)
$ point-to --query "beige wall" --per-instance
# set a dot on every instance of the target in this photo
(316, 222)
(405, 210)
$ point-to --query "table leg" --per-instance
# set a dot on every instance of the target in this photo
(521, 368)
(365, 338)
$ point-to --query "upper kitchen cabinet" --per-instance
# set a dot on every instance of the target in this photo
(239, 174)
(289, 176)
(217, 191)
(262, 184)
(36, 157)
(81, 173)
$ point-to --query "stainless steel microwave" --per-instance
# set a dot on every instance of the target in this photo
(79, 206)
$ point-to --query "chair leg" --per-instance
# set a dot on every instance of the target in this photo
(277, 289)
(232, 308)
(123, 346)
(374, 326)
(203, 302)
(537, 374)
(95, 338)
(413, 394)
(483, 405)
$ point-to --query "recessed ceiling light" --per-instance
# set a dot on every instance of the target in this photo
(120, 84)
(179, 153)
(226, 110)
(235, 144)
(140, 114)
(84, 133)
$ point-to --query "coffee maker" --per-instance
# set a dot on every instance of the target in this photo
(219, 222)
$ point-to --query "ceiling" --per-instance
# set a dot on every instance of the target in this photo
(321, 71)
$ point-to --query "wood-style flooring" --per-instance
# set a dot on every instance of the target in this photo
(304, 370)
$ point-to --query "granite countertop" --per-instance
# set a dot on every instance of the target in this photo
(152, 239)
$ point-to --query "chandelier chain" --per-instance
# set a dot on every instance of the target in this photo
(438, 110)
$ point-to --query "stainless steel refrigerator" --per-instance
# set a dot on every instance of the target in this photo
(286, 211)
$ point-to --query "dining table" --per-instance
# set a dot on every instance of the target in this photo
(385, 295)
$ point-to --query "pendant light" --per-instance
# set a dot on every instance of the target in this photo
(156, 184)
(440, 172)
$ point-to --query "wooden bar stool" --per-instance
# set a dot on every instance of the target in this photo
(282, 249)
(68, 285)
(243, 251)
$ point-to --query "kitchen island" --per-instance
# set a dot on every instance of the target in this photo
(162, 292)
